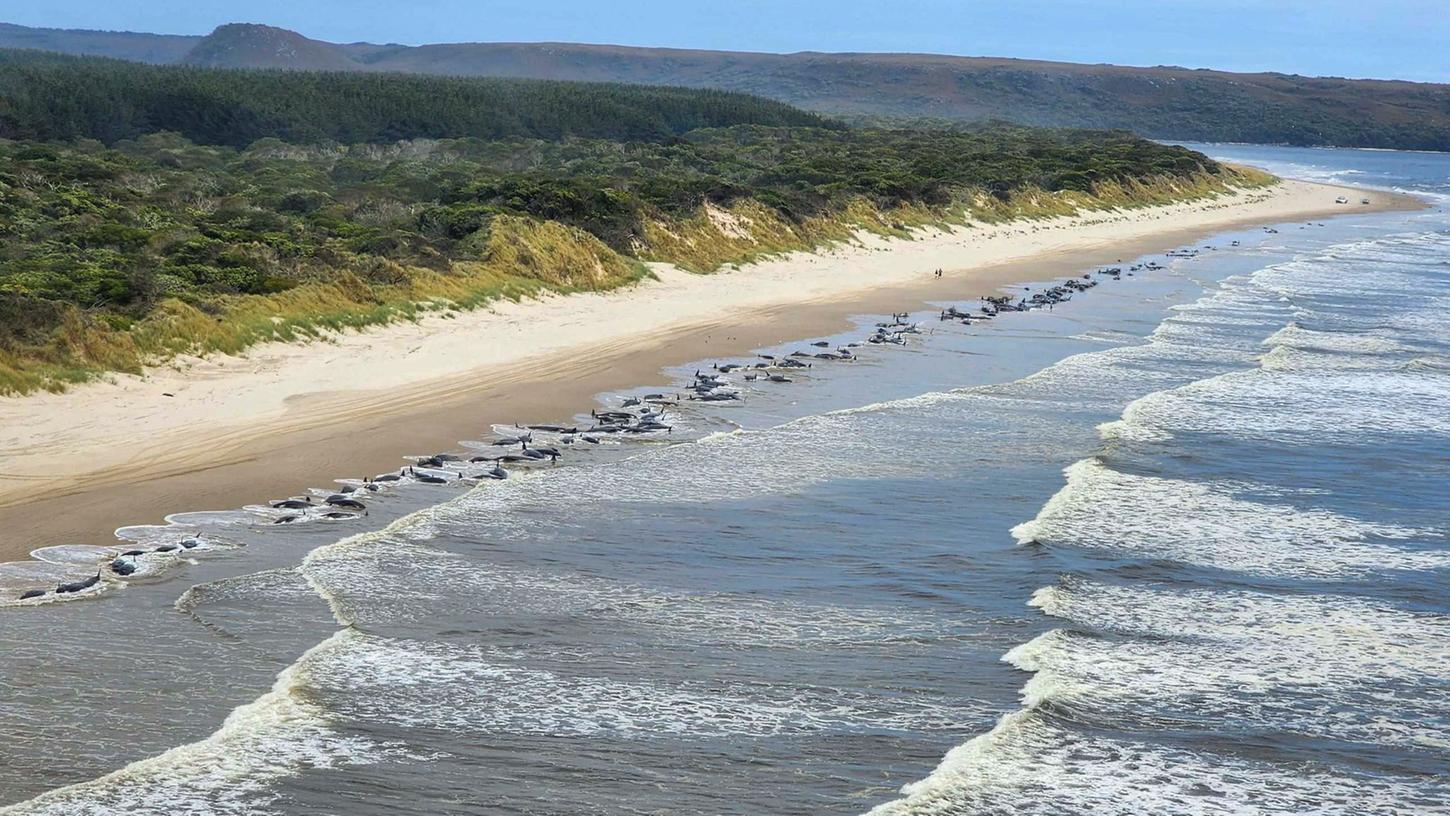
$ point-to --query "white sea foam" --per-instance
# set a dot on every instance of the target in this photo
(1322, 666)
(1313, 666)
(474, 690)
(1028, 766)
(1295, 336)
(75, 555)
(1302, 405)
(25, 574)
(385, 581)
(269, 586)
(229, 772)
(1204, 524)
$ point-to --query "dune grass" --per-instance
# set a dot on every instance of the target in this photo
(522, 258)
(748, 231)
(116, 259)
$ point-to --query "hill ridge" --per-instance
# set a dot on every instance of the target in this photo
(257, 45)
(1161, 101)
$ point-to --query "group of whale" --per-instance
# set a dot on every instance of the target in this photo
(124, 564)
(638, 415)
(642, 415)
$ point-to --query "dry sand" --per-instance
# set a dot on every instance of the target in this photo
(222, 432)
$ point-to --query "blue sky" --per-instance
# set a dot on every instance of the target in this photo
(1407, 39)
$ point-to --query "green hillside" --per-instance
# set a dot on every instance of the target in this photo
(50, 97)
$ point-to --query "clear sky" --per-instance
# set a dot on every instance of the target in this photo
(1405, 39)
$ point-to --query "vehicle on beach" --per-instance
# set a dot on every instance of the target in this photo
(1341, 200)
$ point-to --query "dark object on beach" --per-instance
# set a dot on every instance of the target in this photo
(166, 548)
(132, 553)
(79, 586)
(426, 478)
(345, 502)
(190, 543)
(292, 504)
(32, 593)
(286, 520)
(122, 567)
(542, 453)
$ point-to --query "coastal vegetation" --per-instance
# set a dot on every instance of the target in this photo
(121, 252)
(52, 97)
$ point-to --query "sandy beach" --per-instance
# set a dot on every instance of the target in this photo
(221, 432)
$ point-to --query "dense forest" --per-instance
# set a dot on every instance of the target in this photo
(53, 97)
(117, 252)
(1162, 101)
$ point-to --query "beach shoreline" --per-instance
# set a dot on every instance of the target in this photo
(228, 431)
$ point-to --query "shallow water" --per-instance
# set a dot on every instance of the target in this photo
(1178, 546)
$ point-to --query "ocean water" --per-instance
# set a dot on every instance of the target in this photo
(1176, 547)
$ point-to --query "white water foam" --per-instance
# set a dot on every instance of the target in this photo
(1319, 666)
(388, 581)
(1301, 405)
(229, 772)
(1029, 766)
(1206, 525)
(474, 690)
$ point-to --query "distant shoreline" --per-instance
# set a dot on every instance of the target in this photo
(223, 432)
(1187, 142)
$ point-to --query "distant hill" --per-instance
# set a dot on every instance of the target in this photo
(126, 45)
(242, 45)
(1162, 102)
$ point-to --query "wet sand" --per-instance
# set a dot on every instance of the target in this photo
(62, 488)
